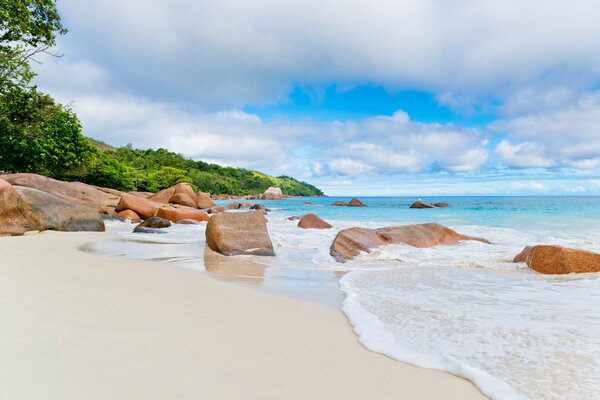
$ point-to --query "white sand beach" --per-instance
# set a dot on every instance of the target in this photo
(80, 326)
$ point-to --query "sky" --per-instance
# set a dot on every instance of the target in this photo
(406, 97)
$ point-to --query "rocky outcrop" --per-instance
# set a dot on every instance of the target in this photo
(420, 204)
(312, 221)
(204, 200)
(356, 203)
(177, 214)
(129, 215)
(239, 233)
(163, 196)
(339, 203)
(153, 223)
(142, 207)
(350, 242)
(183, 199)
(272, 193)
(24, 209)
(73, 192)
(559, 260)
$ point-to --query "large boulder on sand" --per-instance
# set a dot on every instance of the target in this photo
(73, 192)
(24, 209)
(272, 193)
(350, 242)
(182, 199)
(356, 203)
(312, 221)
(177, 214)
(204, 200)
(142, 207)
(559, 260)
(239, 233)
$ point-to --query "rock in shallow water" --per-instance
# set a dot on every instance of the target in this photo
(240, 233)
(559, 260)
(356, 203)
(313, 221)
(153, 223)
(350, 242)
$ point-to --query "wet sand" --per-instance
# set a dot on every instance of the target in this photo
(77, 325)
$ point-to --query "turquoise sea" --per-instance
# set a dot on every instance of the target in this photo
(467, 309)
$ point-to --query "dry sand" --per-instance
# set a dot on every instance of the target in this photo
(80, 326)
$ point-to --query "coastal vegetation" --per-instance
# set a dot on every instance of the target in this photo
(40, 136)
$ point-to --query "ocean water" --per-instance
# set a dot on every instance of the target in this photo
(467, 309)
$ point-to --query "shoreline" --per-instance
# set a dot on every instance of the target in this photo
(79, 325)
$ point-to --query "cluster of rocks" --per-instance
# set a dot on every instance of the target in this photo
(352, 203)
(272, 193)
(420, 204)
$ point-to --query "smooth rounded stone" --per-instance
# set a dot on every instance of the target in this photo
(204, 200)
(24, 209)
(420, 204)
(313, 221)
(155, 223)
(188, 222)
(129, 215)
(73, 192)
(233, 206)
(142, 229)
(356, 203)
(177, 214)
(163, 196)
(215, 209)
(183, 199)
(559, 260)
(142, 207)
(350, 242)
(186, 188)
(272, 193)
(339, 203)
(243, 233)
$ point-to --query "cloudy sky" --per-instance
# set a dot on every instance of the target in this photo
(410, 97)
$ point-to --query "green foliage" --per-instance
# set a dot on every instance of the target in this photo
(27, 28)
(39, 136)
(151, 170)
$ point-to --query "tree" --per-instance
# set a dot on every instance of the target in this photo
(27, 28)
(39, 136)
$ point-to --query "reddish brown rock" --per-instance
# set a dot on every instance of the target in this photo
(215, 209)
(339, 203)
(220, 197)
(163, 196)
(177, 214)
(130, 215)
(441, 205)
(24, 209)
(145, 195)
(356, 203)
(239, 233)
(312, 221)
(204, 200)
(295, 218)
(559, 260)
(142, 207)
(233, 206)
(186, 188)
(153, 223)
(307, 203)
(182, 199)
(350, 242)
(110, 212)
(73, 192)
(420, 204)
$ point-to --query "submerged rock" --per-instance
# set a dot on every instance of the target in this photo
(143, 229)
(356, 203)
(24, 209)
(559, 260)
(339, 203)
(313, 221)
(350, 242)
(420, 204)
(441, 205)
(294, 218)
(239, 233)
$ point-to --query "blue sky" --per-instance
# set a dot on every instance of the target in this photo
(413, 97)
